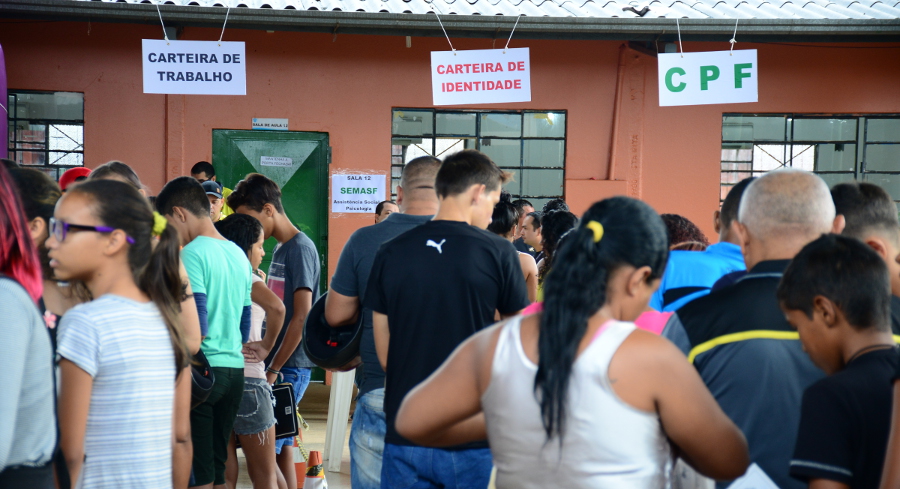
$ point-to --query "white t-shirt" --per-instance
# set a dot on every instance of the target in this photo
(125, 347)
(256, 370)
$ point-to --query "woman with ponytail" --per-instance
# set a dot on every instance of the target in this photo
(576, 396)
(123, 381)
(27, 421)
(503, 223)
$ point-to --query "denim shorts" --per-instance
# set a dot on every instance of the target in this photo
(257, 411)
(411, 467)
(299, 379)
(367, 440)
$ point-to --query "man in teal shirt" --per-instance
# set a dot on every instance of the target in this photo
(220, 276)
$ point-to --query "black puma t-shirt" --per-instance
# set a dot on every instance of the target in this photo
(438, 284)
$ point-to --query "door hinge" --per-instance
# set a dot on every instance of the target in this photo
(328, 155)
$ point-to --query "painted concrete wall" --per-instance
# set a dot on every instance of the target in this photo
(346, 87)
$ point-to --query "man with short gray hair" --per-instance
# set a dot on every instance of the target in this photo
(737, 337)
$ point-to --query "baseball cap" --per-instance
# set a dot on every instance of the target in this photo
(70, 175)
(212, 188)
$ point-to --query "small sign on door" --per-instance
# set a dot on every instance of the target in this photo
(357, 193)
(278, 161)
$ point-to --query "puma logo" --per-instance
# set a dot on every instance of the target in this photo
(436, 245)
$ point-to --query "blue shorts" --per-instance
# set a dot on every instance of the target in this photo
(257, 410)
(299, 379)
(367, 440)
(411, 467)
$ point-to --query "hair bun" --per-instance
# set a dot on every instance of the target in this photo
(505, 196)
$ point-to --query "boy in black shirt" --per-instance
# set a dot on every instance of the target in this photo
(430, 289)
(836, 292)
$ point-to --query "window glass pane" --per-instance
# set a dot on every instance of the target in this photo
(413, 147)
(753, 128)
(51, 105)
(66, 137)
(887, 130)
(447, 146)
(824, 129)
(514, 185)
(803, 156)
(542, 183)
(455, 124)
(835, 157)
(396, 171)
(31, 158)
(883, 157)
(545, 124)
(25, 131)
(504, 152)
(891, 183)
(833, 179)
(501, 125)
(412, 123)
(69, 159)
(544, 152)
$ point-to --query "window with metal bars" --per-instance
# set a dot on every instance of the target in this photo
(46, 130)
(838, 148)
(529, 144)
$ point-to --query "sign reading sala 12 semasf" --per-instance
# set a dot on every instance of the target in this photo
(481, 76)
(718, 77)
(194, 67)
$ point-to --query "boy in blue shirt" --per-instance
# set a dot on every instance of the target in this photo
(837, 293)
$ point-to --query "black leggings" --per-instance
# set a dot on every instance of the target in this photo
(30, 477)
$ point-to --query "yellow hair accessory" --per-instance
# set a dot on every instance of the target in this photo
(597, 228)
(159, 224)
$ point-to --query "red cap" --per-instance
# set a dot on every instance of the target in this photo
(68, 178)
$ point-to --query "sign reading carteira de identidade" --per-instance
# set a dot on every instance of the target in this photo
(356, 193)
(481, 76)
(717, 77)
(194, 67)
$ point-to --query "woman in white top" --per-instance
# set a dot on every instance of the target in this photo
(254, 425)
(576, 397)
(125, 387)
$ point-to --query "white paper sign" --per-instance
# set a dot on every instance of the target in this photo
(269, 124)
(717, 77)
(356, 193)
(754, 478)
(194, 67)
(278, 161)
(483, 76)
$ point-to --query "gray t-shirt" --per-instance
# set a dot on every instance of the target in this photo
(28, 430)
(352, 275)
(295, 265)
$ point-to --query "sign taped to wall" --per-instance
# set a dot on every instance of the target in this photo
(357, 193)
(194, 67)
(481, 76)
(716, 77)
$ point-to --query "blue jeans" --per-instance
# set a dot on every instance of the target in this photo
(367, 440)
(406, 467)
(299, 379)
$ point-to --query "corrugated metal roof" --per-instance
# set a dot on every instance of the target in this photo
(704, 9)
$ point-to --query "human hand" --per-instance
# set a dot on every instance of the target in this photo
(254, 351)
(261, 274)
(271, 377)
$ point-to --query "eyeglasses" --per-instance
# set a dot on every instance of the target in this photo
(59, 230)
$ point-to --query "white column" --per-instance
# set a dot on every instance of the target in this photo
(338, 415)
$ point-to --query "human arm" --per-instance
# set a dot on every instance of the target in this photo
(512, 295)
(275, 312)
(193, 267)
(341, 310)
(182, 446)
(74, 404)
(382, 337)
(13, 354)
(529, 269)
(890, 477)
(827, 484)
(302, 304)
(651, 374)
(189, 318)
(445, 409)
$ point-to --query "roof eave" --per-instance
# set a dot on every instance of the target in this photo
(580, 28)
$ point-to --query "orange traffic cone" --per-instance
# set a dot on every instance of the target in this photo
(299, 464)
(315, 474)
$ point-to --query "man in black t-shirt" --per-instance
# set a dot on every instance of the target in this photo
(431, 288)
(836, 293)
(870, 216)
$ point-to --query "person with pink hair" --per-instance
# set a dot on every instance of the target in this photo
(27, 419)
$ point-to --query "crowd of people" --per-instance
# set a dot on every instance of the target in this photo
(501, 345)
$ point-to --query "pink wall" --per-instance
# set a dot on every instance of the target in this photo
(668, 156)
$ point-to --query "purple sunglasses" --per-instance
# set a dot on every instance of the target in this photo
(60, 229)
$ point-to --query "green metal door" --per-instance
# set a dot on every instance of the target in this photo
(297, 162)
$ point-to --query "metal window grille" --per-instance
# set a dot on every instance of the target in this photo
(46, 130)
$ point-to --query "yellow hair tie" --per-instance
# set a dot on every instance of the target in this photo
(597, 228)
(159, 224)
